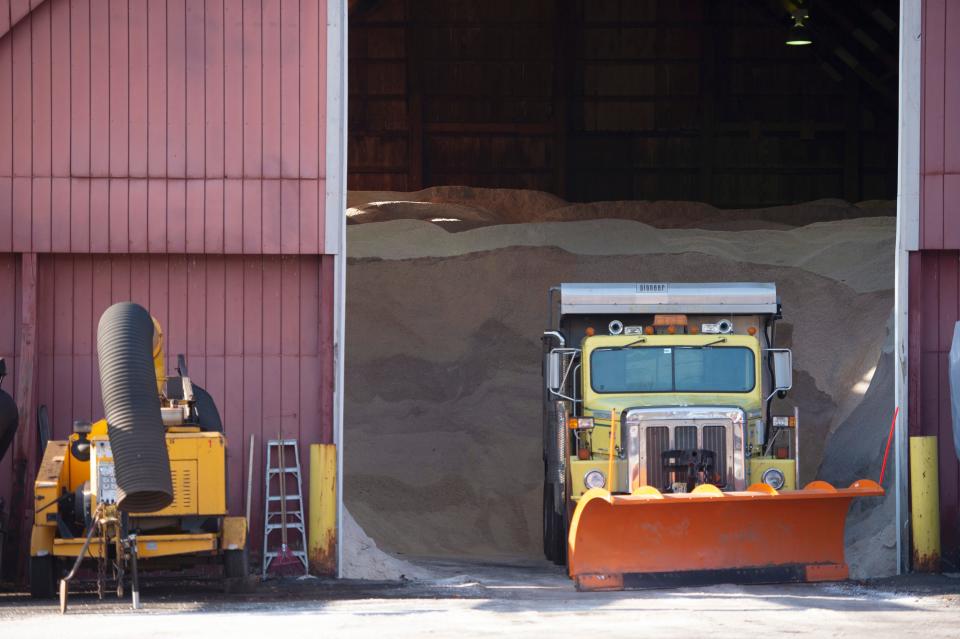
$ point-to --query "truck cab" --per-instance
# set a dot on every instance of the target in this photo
(664, 386)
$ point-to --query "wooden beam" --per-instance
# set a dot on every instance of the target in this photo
(564, 66)
(504, 128)
(851, 139)
(25, 457)
(26, 360)
(708, 109)
(413, 49)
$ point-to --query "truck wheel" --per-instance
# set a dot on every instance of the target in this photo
(548, 541)
(554, 530)
(43, 577)
(236, 563)
(560, 540)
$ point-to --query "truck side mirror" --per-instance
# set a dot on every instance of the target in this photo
(782, 370)
(553, 371)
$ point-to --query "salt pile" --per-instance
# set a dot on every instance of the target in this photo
(442, 433)
(362, 559)
(464, 208)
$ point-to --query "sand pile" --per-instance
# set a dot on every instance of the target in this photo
(462, 208)
(442, 438)
(362, 559)
(855, 450)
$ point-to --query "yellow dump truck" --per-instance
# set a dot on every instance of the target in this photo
(664, 459)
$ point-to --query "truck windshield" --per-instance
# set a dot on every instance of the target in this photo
(677, 369)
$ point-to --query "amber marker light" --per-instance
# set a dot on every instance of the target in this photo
(752, 330)
(590, 331)
(671, 329)
(648, 330)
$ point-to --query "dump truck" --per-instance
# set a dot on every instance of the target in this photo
(146, 484)
(668, 458)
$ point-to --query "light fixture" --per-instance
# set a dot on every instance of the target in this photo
(799, 35)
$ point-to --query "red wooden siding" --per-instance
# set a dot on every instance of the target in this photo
(934, 310)
(13, 11)
(940, 126)
(254, 329)
(934, 303)
(168, 126)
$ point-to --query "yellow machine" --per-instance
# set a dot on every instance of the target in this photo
(78, 509)
(665, 461)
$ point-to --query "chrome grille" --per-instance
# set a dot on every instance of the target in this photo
(715, 439)
(657, 440)
(685, 437)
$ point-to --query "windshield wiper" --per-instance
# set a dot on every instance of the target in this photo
(719, 341)
(620, 348)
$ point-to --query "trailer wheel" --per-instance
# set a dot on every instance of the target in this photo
(236, 563)
(43, 577)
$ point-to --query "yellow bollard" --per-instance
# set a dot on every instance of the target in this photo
(925, 503)
(322, 535)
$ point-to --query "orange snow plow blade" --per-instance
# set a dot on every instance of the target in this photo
(648, 539)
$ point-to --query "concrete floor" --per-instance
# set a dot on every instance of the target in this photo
(515, 599)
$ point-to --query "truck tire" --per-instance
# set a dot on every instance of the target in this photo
(43, 577)
(236, 563)
(548, 544)
(554, 529)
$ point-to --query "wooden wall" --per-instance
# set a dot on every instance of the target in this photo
(934, 310)
(940, 126)
(163, 126)
(608, 99)
(144, 144)
(934, 303)
(256, 332)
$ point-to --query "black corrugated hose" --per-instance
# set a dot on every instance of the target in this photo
(132, 406)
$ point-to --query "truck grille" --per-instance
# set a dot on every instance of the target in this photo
(715, 439)
(658, 439)
(685, 437)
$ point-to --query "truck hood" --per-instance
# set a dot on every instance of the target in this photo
(599, 407)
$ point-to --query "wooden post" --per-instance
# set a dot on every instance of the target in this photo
(26, 359)
(25, 456)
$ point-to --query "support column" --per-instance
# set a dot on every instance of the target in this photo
(25, 455)
(908, 225)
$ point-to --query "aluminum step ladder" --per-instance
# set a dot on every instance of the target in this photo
(283, 510)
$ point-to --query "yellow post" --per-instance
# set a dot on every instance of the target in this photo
(322, 535)
(925, 503)
(158, 363)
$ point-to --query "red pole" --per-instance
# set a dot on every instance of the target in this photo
(886, 453)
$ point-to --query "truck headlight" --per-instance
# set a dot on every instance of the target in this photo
(594, 479)
(773, 477)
